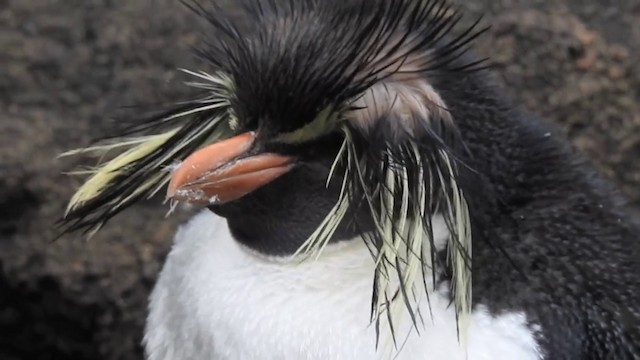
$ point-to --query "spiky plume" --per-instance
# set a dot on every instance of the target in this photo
(139, 170)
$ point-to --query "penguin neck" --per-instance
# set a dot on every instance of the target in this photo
(281, 238)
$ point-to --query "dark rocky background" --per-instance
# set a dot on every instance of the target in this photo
(66, 66)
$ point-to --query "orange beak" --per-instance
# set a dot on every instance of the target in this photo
(214, 174)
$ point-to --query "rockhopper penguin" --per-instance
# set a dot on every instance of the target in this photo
(370, 194)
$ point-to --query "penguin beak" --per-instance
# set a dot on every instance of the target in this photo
(219, 173)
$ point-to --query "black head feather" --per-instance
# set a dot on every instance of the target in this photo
(294, 59)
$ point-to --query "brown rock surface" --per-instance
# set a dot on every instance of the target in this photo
(66, 66)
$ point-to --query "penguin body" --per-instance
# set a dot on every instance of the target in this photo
(216, 299)
(374, 183)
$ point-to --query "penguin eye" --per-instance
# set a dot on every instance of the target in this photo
(324, 123)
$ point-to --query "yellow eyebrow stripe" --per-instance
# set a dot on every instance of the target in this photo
(324, 123)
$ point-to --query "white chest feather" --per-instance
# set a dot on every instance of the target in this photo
(216, 300)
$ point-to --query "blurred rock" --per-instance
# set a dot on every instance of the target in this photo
(69, 65)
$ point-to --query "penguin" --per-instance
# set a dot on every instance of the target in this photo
(368, 192)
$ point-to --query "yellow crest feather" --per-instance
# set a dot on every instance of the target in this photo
(104, 174)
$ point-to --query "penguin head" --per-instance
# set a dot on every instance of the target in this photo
(303, 76)
(316, 121)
